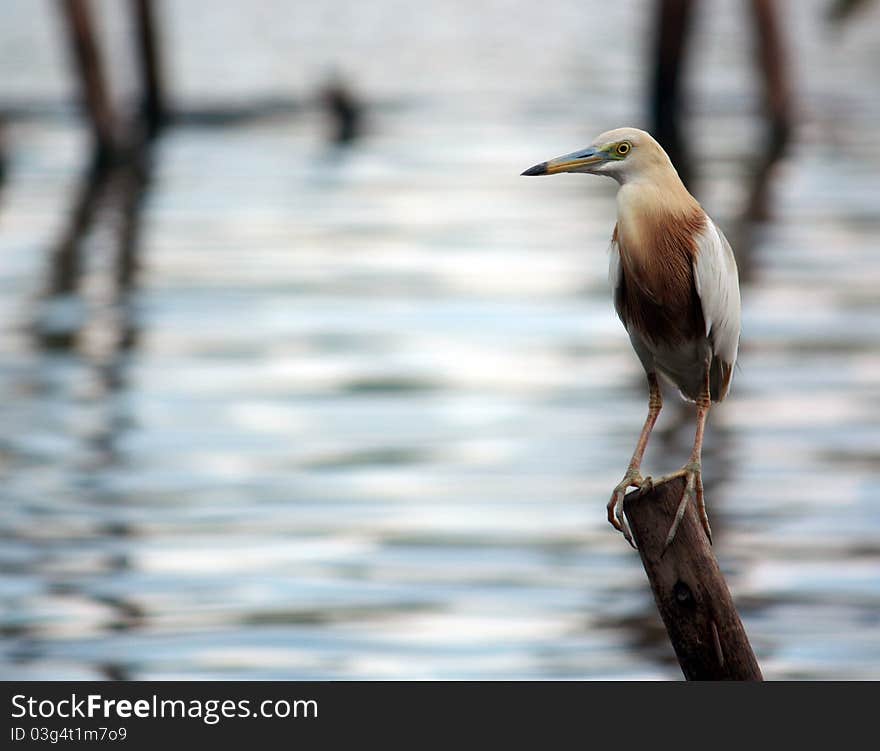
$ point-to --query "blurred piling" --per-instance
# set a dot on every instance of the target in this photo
(673, 22)
(110, 196)
(152, 93)
(344, 112)
(667, 97)
(114, 181)
(2, 154)
(88, 63)
(693, 599)
(777, 111)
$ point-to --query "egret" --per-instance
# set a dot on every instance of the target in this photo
(676, 290)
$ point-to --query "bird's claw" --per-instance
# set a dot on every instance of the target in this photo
(693, 491)
(632, 479)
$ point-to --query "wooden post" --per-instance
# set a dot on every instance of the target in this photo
(691, 594)
(152, 102)
(2, 154)
(87, 59)
(771, 57)
(674, 22)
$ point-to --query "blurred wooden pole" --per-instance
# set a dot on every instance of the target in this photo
(152, 94)
(693, 599)
(2, 153)
(778, 110)
(87, 60)
(672, 29)
(772, 60)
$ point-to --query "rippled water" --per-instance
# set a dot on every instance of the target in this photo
(376, 397)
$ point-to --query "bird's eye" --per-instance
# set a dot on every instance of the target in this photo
(623, 148)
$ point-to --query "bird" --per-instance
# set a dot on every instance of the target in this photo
(675, 288)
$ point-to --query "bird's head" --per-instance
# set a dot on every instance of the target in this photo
(624, 154)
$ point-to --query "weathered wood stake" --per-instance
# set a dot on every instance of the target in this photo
(152, 96)
(89, 65)
(693, 599)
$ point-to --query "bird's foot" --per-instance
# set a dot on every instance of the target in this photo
(693, 491)
(632, 479)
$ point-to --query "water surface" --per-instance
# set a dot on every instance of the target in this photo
(375, 398)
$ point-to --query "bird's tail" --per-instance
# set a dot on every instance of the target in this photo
(720, 375)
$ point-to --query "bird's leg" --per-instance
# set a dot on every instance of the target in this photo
(633, 477)
(693, 489)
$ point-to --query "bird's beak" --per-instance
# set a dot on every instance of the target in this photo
(577, 161)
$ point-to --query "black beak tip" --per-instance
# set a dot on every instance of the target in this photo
(538, 169)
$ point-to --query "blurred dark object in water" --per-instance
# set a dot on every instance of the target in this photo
(233, 115)
(777, 103)
(344, 112)
(2, 154)
(91, 72)
(113, 183)
(674, 25)
(842, 10)
(88, 63)
(674, 19)
(65, 262)
(152, 97)
(113, 671)
(112, 193)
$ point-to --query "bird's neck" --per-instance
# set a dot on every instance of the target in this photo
(659, 203)
(658, 222)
